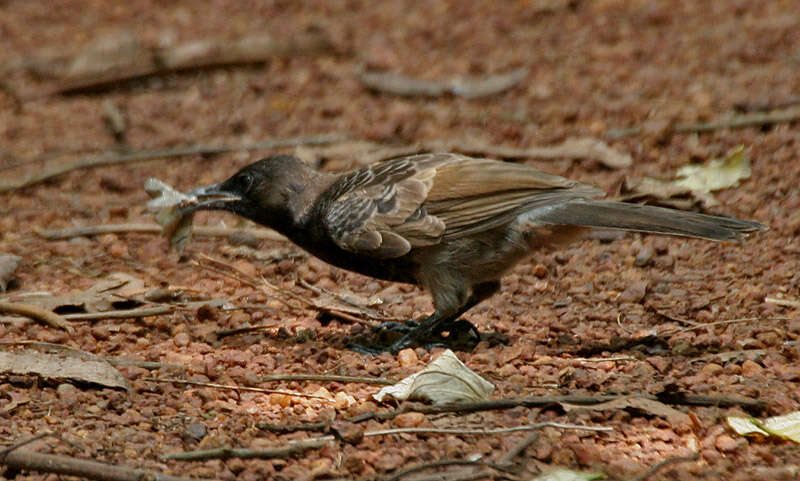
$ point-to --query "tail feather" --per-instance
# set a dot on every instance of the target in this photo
(645, 218)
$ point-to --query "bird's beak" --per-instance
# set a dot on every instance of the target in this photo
(211, 197)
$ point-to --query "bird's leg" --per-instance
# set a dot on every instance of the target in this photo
(443, 328)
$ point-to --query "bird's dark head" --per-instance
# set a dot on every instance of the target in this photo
(266, 191)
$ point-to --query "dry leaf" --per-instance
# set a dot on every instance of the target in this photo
(694, 183)
(786, 426)
(445, 380)
(650, 406)
(562, 474)
(107, 294)
(8, 264)
(60, 363)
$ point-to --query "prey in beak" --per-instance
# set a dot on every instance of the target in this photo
(174, 210)
(209, 197)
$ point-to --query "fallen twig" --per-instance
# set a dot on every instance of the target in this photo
(293, 447)
(540, 401)
(530, 427)
(441, 464)
(120, 314)
(19, 444)
(143, 364)
(208, 231)
(26, 460)
(228, 270)
(57, 167)
(37, 313)
(318, 442)
(236, 388)
(476, 87)
(124, 56)
(735, 122)
(782, 302)
(658, 466)
(518, 449)
(721, 323)
(327, 378)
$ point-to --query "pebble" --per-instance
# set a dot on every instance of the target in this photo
(726, 443)
(181, 339)
(751, 368)
(407, 357)
(409, 420)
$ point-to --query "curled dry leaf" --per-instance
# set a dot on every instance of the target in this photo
(786, 426)
(563, 474)
(8, 264)
(467, 87)
(172, 212)
(445, 380)
(54, 362)
(650, 406)
(697, 182)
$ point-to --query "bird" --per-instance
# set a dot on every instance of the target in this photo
(449, 223)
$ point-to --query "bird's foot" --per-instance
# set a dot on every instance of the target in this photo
(393, 337)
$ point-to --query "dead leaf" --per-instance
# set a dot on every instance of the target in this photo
(8, 264)
(107, 294)
(563, 474)
(55, 362)
(467, 87)
(693, 183)
(445, 380)
(786, 426)
(650, 406)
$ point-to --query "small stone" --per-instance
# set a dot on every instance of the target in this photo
(409, 420)
(726, 443)
(181, 339)
(644, 257)
(634, 292)
(66, 389)
(195, 431)
(407, 357)
(751, 368)
(711, 370)
(540, 271)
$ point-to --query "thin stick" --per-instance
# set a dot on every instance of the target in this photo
(658, 466)
(736, 122)
(298, 446)
(294, 447)
(604, 359)
(237, 388)
(781, 302)
(518, 449)
(720, 323)
(529, 427)
(143, 364)
(26, 460)
(539, 401)
(327, 378)
(52, 169)
(207, 231)
(121, 314)
(19, 444)
(37, 313)
(436, 464)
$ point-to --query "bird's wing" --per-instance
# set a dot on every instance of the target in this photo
(387, 209)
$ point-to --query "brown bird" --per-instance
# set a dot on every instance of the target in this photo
(449, 223)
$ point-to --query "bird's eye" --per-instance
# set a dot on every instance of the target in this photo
(246, 181)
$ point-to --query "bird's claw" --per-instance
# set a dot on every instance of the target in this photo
(460, 335)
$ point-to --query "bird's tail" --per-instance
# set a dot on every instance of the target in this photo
(645, 218)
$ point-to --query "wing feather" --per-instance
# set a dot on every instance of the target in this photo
(389, 208)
